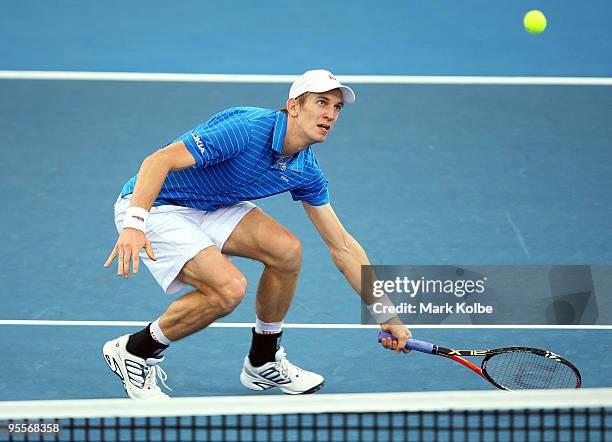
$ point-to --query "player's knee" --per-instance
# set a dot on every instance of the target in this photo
(286, 253)
(231, 293)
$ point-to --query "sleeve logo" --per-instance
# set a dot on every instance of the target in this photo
(198, 141)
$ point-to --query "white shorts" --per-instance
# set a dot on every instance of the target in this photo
(177, 234)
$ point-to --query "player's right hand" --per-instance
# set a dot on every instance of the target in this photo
(127, 249)
(400, 332)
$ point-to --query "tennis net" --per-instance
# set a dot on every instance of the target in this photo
(552, 415)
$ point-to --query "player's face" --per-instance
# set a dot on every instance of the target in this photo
(318, 114)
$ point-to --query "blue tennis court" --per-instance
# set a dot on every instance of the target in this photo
(483, 174)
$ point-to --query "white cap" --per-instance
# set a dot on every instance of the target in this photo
(320, 80)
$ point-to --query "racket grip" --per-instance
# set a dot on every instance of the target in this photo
(412, 344)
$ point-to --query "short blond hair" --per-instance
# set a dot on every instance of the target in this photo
(301, 99)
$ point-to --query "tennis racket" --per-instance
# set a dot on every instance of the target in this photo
(510, 368)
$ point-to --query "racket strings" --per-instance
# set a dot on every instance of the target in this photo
(520, 370)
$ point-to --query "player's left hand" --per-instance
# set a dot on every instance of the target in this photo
(400, 332)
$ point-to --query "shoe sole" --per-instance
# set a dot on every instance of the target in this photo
(256, 385)
(313, 389)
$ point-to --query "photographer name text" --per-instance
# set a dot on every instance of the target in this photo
(431, 308)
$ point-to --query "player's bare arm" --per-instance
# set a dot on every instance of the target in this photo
(349, 256)
(151, 177)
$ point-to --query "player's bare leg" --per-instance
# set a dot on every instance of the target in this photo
(259, 237)
(135, 358)
(221, 288)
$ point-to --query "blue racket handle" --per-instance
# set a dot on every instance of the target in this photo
(412, 344)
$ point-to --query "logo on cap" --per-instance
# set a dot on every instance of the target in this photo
(331, 77)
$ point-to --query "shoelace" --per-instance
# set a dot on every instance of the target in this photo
(155, 371)
(285, 365)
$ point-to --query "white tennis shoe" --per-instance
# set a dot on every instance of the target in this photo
(139, 376)
(282, 374)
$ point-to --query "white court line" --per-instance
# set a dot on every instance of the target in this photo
(256, 78)
(298, 325)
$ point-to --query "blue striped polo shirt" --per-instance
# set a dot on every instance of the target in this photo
(237, 155)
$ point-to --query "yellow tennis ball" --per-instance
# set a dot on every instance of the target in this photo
(534, 21)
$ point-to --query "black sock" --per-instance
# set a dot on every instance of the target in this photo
(143, 345)
(264, 347)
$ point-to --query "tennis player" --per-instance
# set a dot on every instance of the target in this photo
(189, 207)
